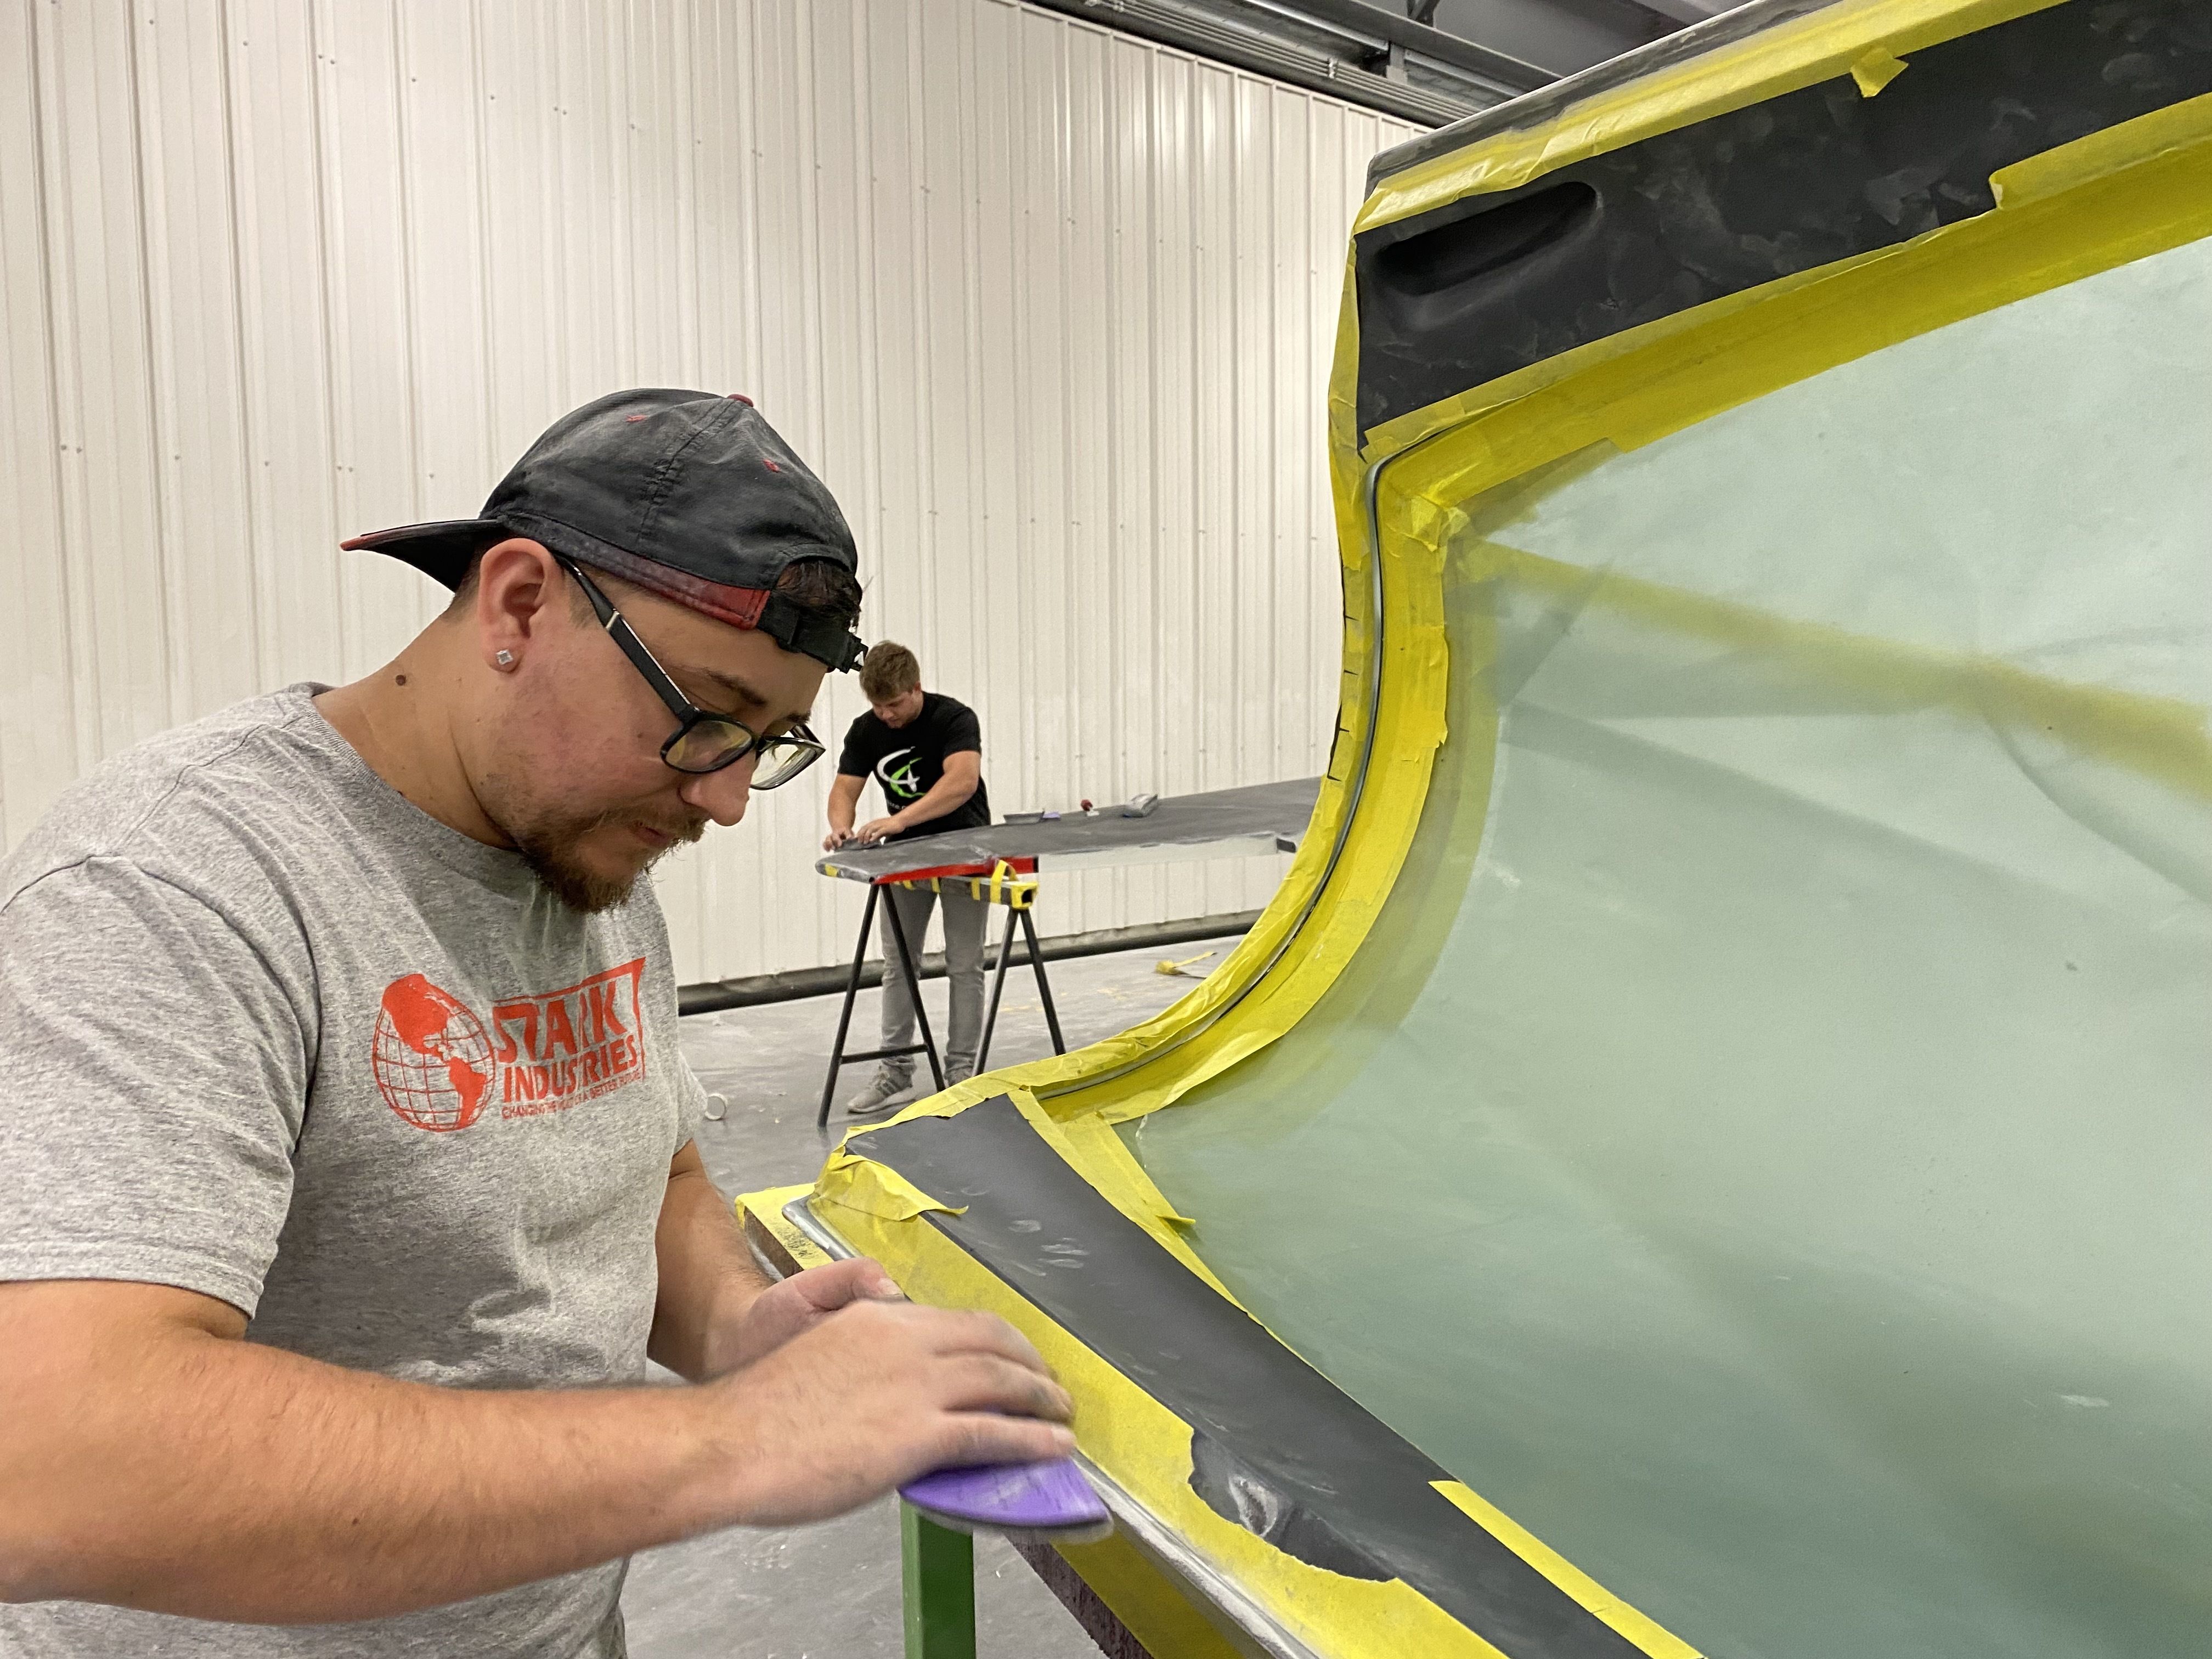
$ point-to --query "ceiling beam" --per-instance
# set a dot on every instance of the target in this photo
(1380, 27)
(1447, 92)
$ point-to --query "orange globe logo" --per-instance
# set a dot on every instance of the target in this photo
(431, 1059)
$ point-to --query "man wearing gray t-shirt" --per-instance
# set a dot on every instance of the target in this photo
(347, 1179)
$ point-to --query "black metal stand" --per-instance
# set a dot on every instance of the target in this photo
(999, 987)
(838, 1058)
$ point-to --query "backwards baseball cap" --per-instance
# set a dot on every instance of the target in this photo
(688, 493)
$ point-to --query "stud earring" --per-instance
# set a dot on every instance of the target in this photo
(505, 659)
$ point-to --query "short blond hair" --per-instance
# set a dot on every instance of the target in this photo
(889, 670)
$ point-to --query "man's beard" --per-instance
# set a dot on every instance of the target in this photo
(548, 845)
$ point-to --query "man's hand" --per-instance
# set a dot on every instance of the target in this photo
(844, 806)
(877, 829)
(798, 1304)
(874, 1394)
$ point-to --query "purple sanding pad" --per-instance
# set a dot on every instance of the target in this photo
(1049, 1501)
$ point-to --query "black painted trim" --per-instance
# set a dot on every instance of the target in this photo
(1453, 299)
(1279, 1447)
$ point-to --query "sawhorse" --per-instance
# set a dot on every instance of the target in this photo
(1003, 885)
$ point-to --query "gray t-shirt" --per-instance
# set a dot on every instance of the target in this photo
(273, 1034)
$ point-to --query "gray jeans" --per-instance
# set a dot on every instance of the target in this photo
(963, 960)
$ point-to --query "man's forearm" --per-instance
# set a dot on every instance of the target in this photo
(236, 1481)
(707, 1276)
(943, 796)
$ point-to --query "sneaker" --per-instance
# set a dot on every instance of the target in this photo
(879, 1096)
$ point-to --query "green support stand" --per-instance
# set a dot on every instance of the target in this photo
(939, 1567)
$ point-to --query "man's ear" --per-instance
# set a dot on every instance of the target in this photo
(517, 582)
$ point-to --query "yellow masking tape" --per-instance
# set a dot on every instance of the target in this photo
(2164, 135)
(871, 1188)
(1344, 422)
(1087, 1143)
(1876, 70)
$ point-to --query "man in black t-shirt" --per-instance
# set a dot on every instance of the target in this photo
(926, 752)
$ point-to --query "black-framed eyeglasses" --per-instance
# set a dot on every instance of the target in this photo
(703, 742)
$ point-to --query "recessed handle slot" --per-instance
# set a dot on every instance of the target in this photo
(1438, 273)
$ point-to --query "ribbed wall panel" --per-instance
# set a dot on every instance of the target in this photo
(1049, 309)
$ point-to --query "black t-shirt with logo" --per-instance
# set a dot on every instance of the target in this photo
(909, 760)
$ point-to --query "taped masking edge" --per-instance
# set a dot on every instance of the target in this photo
(2099, 155)
(1876, 70)
(1653, 1639)
(876, 1189)
(1800, 52)
(1344, 448)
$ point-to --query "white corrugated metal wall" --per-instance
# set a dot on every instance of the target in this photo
(1049, 309)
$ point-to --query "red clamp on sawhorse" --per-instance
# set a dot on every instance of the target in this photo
(1003, 885)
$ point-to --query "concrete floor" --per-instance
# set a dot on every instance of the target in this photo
(832, 1591)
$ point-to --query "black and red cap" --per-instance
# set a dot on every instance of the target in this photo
(688, 494)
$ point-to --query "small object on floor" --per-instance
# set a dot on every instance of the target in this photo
(1089, 811)
(1047, 1503)
(879, 1096)
(1184, 966)
(1140, 806)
